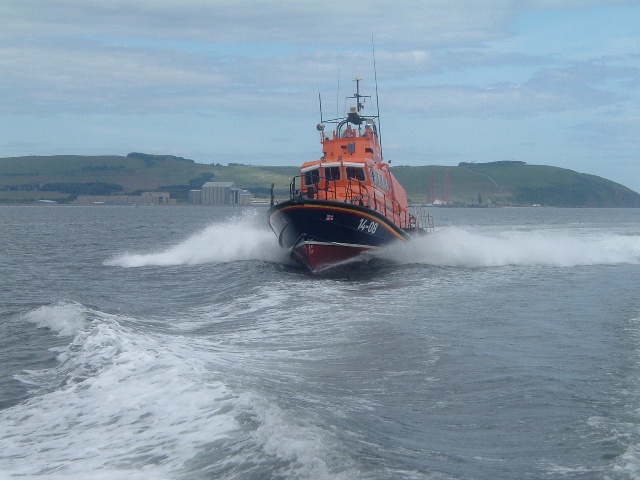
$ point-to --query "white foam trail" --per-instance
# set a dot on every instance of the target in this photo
(119, 405)
(305, 448)
(124, 403)
(64, 318)
(235, 240)
(457, 247)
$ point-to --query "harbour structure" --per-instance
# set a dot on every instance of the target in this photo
(222, 193)
(146, 198)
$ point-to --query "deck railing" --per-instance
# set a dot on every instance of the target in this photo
(355, 192)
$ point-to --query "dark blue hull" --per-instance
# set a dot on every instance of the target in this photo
(320, 233)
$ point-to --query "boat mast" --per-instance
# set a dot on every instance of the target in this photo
(375, 77)
(357, 96)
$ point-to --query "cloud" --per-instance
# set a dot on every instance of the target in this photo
(559, 87)
(344, 25)
(305, 22)
(611, 134)
(90, 76)
(568, 68)
(162, 55)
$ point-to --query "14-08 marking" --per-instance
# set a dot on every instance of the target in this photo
(367, 226)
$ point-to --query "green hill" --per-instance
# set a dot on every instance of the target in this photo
(62, 178)
(515, 183)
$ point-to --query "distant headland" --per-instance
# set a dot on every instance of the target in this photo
(67, 178)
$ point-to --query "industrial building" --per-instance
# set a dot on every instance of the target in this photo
(146, 198)
(195, 197)
(220, 193)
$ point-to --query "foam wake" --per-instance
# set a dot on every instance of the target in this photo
(120, 403)
(64, 318)
(235, 240)
(125, 401)
(457, 247)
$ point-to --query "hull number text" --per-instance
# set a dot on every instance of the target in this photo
(367, 226)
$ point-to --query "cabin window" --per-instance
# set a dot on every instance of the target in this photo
(379, 179)
(356, 173)
(312, 177)
(352, 147)
(332, 174)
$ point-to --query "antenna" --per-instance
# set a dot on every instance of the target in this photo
(375, 77)
(320, 100)
(338, 97)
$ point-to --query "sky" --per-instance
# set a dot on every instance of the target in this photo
(547, 82)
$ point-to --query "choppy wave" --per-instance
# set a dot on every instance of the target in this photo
(129, 403)
(240, 238)
(115, 401)
(458, 247)
(381, 372)
(64, 318)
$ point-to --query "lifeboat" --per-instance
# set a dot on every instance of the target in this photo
(347, 202)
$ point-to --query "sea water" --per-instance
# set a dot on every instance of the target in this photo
(180, 343)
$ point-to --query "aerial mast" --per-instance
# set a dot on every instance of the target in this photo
(359, 106)
(375, 77)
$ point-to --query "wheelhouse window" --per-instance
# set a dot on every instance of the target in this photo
(332, 174)
(312, 177)
(355, 173)
(379, 179)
